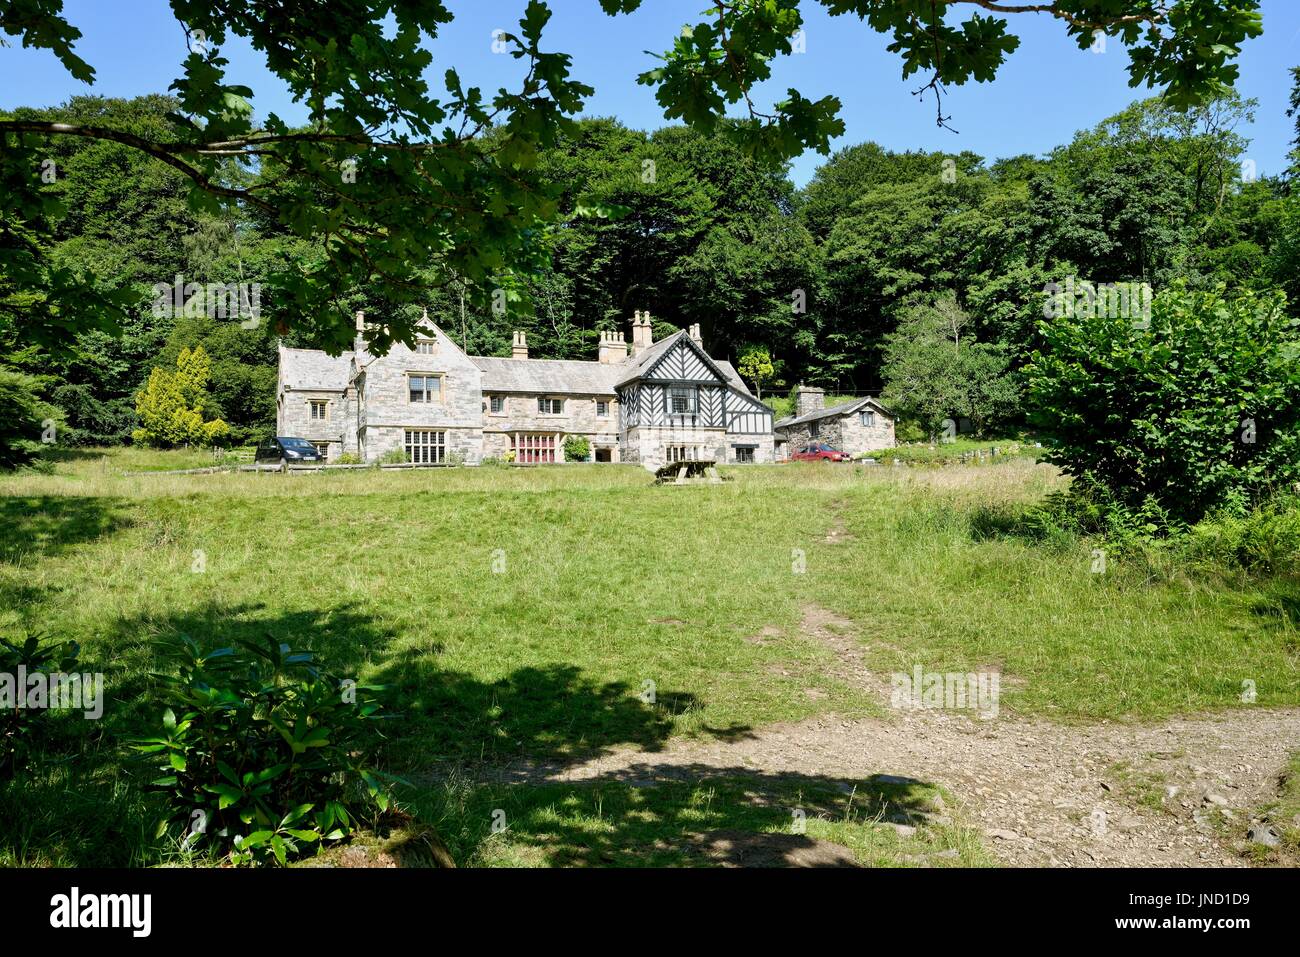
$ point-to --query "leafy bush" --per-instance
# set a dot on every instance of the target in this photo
(1168, 419)
(393, 457)
(19, 727)
(577, 449)
(263, 753)
(348, 458)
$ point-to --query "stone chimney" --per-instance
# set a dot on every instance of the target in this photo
(520, 348)
(694, 333)
(809, 398)
(359, 344)
(613, 347)
(642, 332)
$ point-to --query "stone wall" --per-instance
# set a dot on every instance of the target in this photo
(387, 411)
(764, 447)
(519, 414)
(293, 417)
(844, 432)
(647, 444)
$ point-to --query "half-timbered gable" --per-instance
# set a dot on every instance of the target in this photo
(677, 402)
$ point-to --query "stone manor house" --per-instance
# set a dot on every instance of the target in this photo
(652, 404)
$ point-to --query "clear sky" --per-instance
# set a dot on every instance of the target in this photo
(1045, 92)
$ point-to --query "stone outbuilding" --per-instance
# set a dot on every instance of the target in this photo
(863, 425)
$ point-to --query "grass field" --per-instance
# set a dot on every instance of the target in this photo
(520, 613)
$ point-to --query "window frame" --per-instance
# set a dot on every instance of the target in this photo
(602, 414)
(421, 344)
(425, 377)
(867, 418)
(324, 410)
(692, 394)
(546, 405)
(432, 450)
(535, 448)
(496, 405)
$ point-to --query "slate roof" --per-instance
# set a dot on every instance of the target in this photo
(311, 369)
(553, 376)
(844, 408)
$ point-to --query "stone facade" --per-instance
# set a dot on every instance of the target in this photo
(474, 407)
(863, 425)
(385, 411)
(578, 416)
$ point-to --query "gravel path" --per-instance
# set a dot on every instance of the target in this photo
(1177, 793)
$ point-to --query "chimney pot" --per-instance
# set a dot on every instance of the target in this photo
(642, 332)
(612, 347)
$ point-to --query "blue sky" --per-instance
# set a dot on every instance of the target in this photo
(1045, 92)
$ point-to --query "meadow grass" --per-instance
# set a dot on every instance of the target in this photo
(557, 612)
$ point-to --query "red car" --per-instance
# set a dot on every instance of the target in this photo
(819, 452)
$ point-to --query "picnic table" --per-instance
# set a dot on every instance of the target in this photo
(687, 470)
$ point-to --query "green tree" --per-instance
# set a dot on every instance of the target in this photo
(1195, 409)
(757, 366)
(935, 371)
(172, 405)
(27, 424)
(390, 179)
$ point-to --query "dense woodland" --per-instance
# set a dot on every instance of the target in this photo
(919, 275)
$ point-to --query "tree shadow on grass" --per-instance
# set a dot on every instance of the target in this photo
(43, 526)
(693, 815)
(542, 712)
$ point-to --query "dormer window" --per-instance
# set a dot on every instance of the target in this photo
(681, 400)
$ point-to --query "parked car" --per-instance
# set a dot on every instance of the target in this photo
(285, 450)
(819, 452)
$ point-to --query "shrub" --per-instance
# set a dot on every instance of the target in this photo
(393, 457)
(20, 726)
(25, 420)
(263, 753)
(1167, 419)
(577, 449)
(173, 405)
(348, 458)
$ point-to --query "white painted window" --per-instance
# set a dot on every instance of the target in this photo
(549, 406)
(869, 419)
(497, 404)
(319, 408)
(602, 408)
(681, 400)
(425, 447)
(324, 449)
